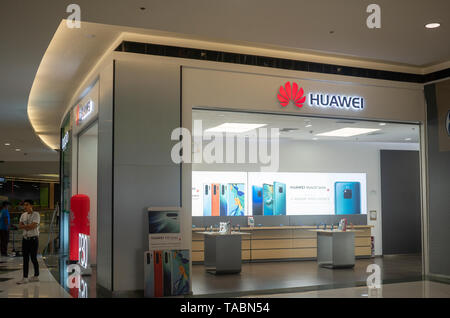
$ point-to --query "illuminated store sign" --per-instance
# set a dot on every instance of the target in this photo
(65, 141)
(84, 112)
(338, 101)
(293, 92)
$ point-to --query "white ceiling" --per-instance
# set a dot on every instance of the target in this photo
(295, 127)
(27, 28)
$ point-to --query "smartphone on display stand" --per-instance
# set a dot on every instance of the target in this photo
(267, 199)
(223, 199)
(347, 198)
(158, 277)
(215, 199)
(149, 288)
(167, 273)
(257, 199)
(236, 199)
(206, 200)
(279, 198)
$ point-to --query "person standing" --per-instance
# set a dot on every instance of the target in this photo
(29, 223)
(4, 228)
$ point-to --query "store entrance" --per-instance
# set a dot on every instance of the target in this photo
(87, 180)
(280, 178)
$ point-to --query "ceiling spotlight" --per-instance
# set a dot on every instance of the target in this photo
(309, 125)
(17, 149)
(433, 25)
(407, 139)
(382, 124)
(7, 144)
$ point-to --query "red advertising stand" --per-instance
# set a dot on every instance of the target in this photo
(79, 222)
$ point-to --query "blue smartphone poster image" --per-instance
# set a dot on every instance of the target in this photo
(267, 199)
(257, 199)
(180, 272)
(163, 222)
(206, 200)
(223, 200)
(236, 199)
(347, 198)
(279, 198)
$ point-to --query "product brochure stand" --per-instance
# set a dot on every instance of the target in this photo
(223, 254)
(335, 249)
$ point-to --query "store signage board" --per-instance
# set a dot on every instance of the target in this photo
(164, 228)
(293, 92)
(65, 141)
(84, 111)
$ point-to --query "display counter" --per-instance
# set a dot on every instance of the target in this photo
(282, 243)
(223, 252)
(336, 248)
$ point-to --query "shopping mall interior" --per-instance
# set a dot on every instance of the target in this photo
(192, 149)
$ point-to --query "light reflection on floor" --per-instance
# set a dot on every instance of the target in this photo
(11, 272)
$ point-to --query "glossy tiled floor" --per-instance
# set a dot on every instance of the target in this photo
(302, 276)
(419, 289)
(11, 272)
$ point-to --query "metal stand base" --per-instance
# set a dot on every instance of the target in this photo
(331, 266)
(222, 272)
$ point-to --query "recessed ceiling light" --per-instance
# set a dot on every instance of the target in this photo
(17, 149)
(315, 138)
(347, 132)
(234, 128)
(382, 124)
(309, 125)
(7, 144)
(433, 25)
(407, 139)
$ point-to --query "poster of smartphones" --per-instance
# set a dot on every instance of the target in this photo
(166, 264)
(282, 193)
(166, 273)
(219, 193)
(164, 228)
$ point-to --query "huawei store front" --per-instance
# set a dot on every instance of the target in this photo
(281, 160)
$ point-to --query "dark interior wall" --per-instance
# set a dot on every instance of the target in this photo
(438, 106)
(17, 191)
(400, 193)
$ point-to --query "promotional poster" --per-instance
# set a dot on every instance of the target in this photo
(281, 193)
(164, 228)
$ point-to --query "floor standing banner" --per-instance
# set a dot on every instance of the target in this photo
(166, 264)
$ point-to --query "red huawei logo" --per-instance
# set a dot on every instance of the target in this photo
(293, 93)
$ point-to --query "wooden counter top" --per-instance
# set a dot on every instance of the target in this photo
(330, 231)
(287, 227)
(216, 233)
